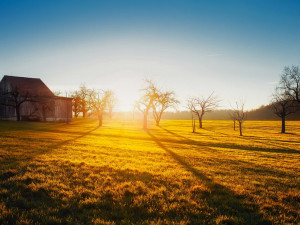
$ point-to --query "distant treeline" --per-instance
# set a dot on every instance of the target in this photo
(266, 113)
(262, 113)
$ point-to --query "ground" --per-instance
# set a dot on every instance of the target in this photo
(78, 173)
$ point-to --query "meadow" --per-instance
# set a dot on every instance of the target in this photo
(78, 173)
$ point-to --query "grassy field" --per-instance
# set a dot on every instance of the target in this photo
(120, 174)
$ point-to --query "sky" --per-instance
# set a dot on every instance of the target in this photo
(236, 49)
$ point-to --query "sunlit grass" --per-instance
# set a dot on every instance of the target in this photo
(120, 174)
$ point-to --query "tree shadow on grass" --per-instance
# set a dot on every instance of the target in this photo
(114, 200)
(185, 141)
(256, 139)
(197, 143)
(12, 161)
(225, 201)
(245, 165)
(57, 145)
(268, 139)
(234, 146)
(45, 202)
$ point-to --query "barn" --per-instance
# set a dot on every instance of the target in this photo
(24, 98)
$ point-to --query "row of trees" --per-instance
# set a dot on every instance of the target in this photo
(93, 101)
(285, 101)
(152, 100)
(158, 101)
(199, 106)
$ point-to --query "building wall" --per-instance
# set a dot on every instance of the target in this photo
(6, 112)
(63, 110)
(33, 111)
(58, 109)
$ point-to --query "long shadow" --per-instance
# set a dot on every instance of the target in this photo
(40, 151)
(72, 139)
(233, 146)
(267, 139)
(15, 165)
(176, 135)
(253, 167)
(109, 205)
(270, 142)
(188, 139)
(221, 198)
(185, 141)
(197, 143)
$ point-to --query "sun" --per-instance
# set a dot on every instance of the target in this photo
(127, 94)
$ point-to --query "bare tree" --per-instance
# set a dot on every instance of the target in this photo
(111, 103)
(163, 101)
(240, 114)
(47, 106)
(98, 101)
(201, 105)
(233, 118)
(76, 103)
(145, 103)
(290, 82)
(84, 94)
(14, 99)
(191, 107)
(283, 105)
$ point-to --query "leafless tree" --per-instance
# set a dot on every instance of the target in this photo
(144, 104)
(47, 106)
(14, 99)
(201, 105)
(76, 103)
(233, 118)
(163, 101)
(240, 114)
(98, 100)
(84, 94)
(111, 103)
(290, 82)
(191, 107)
(283, 105)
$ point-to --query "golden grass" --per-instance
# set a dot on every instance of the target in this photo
(120, 174)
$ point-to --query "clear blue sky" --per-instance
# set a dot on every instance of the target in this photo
(235, 48)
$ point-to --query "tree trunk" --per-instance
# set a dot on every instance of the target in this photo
(145, 121)
(159, 118)
(194, 125)
(283, 124)
(100, 119)
(240, 125)
(18, 113)
(155, 116)
(200, 122)
(83, 114)
(233, 124)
